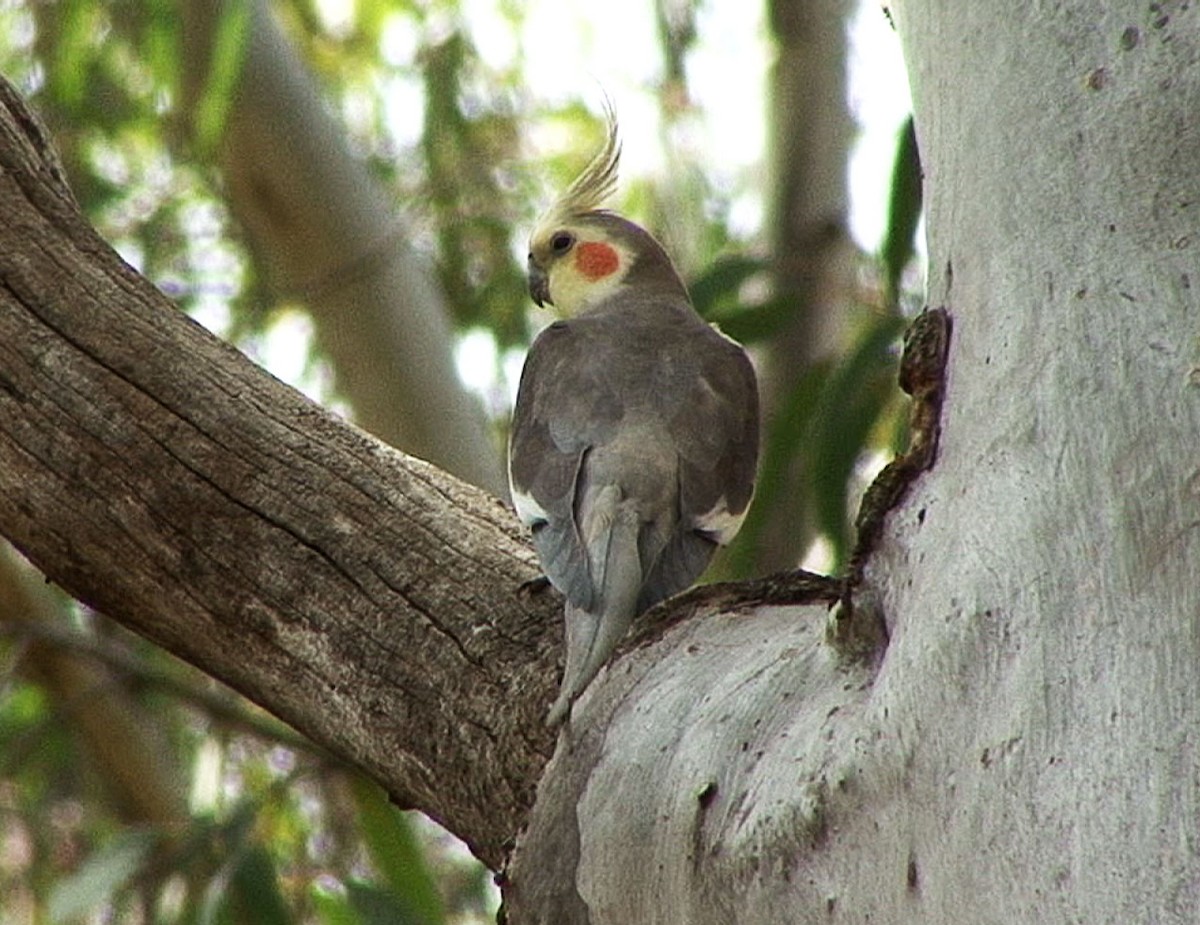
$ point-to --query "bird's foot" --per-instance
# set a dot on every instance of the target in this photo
(533, 586)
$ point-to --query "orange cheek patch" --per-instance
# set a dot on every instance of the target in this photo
(595, 260)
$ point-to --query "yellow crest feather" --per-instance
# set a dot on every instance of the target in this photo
(590, 189)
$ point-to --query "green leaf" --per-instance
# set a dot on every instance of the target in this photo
(716, 294)
(397, 854)
(719, 284)
(100, 877)
(785, 441)
(22, 706)
(253, 894)
(160, 44)
(849, 406)
(225, 67)
(757, 323)
(380, 907)
(333, 909)
(225, 841)
(74, 55)
(904, 210)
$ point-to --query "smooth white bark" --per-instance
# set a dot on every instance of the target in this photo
(1045, 660)
(1027, 749)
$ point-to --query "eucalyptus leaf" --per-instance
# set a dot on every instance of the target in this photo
(333, 909)
(225, 68)
(397, 854)
(375, 906)
(847, 410)
(905, 202)
(252, 893)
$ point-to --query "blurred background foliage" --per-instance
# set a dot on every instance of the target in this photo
(132, 788)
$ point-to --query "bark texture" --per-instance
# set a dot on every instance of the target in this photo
(156, 474)
(1025, 750)
(1043, 673)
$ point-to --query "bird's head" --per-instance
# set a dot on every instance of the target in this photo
(580, 254)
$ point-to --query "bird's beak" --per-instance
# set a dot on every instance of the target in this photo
(539, 283)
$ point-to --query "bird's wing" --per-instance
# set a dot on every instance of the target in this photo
(712, 421)
(565, 407)
(578, 402)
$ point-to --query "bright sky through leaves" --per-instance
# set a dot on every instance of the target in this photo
(574, 51)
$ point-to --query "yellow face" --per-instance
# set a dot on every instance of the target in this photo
(575, 266)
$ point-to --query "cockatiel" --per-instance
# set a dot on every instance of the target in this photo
(635, 435)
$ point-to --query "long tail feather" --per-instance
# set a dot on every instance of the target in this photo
(592, 637)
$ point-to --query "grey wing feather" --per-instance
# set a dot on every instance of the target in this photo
(715, 432)
(561, 413)
(707, 400)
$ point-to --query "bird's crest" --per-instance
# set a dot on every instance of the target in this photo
(598, 181)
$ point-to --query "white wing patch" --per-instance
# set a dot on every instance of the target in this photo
(720, 523)
(528, 510)
(716, 327)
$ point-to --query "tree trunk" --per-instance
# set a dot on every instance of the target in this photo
(1025, 749)
(811, 134)
(329, 235)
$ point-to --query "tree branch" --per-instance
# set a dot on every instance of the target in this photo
(218, 703)
(323, 228)
(364, 597)
(128, 747)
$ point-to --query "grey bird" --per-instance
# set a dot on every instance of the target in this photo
(634, 439)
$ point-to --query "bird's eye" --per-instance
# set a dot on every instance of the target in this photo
(561, 242)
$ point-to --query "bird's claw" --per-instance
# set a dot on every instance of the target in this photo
(533, 586)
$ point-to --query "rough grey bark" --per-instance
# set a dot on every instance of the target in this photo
(329, 236)
(155, 473)
(323, 206)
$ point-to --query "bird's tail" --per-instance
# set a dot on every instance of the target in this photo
(612, 541)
